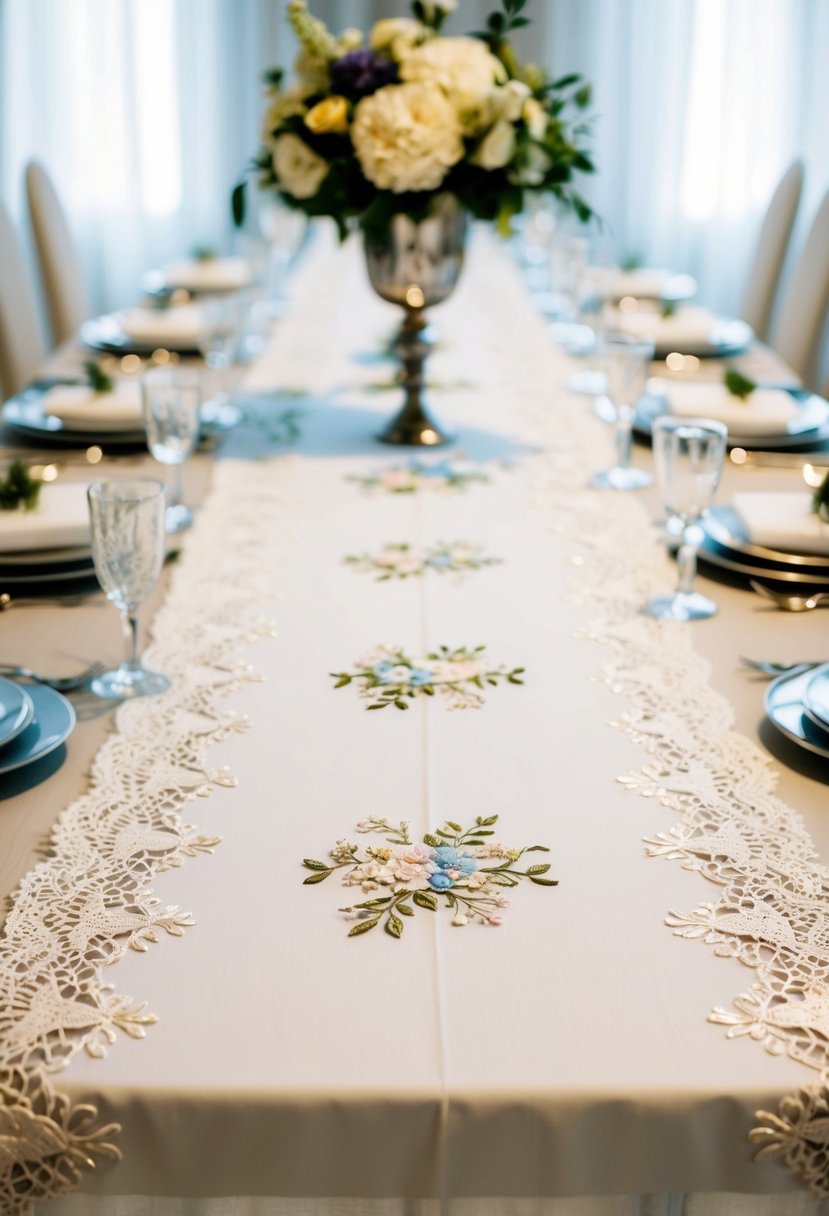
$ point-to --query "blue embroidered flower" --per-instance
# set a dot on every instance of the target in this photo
(381, 671)
(440, 881)
(419, 676)
(440, 559)
(450, 859)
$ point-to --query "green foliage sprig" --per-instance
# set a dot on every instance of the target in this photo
(820, 500)
(738, 384)
(19, 489)
(99, 381)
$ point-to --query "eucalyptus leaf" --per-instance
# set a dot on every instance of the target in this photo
(363, 926)
(394, 925)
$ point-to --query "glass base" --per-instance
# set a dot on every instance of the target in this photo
(684, 606)
(177, 518)
(621, 479)
(590, 384)
(127, 682)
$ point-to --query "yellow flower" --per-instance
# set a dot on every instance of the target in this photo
(328, 117)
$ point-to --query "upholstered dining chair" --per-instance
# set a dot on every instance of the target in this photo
(60, 267)
(804, 310)
(770, 251)
(21, 343)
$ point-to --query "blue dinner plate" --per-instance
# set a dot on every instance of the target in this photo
(816, 697)
(16, 710)
(785, 708)
(54, 720)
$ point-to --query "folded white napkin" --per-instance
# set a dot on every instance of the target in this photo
(174, 328)
(646, 282)
(783, 521)
(766, 411)
(686, 327)
(208, 274)
(84, 410)
(60, 520)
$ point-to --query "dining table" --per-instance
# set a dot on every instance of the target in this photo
(599, 980)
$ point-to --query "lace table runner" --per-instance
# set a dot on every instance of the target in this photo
(89, 902)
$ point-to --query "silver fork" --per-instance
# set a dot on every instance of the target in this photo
(59, 683)
(769, 668)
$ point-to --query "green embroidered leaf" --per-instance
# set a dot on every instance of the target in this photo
(320, 876)
(315, 865)
(537, 848)
(431, 840)
(544, 882)
(399, 704)
(405, 909)
(425, 899)
(394, 925)
(538, 869)
(737, 384)
(456, 827)
(363, 926)
(488, 822)
(342, 681)
(514, 679)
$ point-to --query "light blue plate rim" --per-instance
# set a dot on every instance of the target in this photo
(816, 697)
(785, 708)
(20, 704)
(54, 720)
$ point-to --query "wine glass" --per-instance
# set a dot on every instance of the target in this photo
(688, 454)
(627, 364)
(284, 229)
(127, 518)
(222, 322)
(171, 398)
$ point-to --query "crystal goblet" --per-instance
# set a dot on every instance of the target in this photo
(222, 323)
(171, 399)
(627, 364)
(127, 520)
(688, 454)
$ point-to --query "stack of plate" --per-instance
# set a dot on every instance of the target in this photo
(33, 721)
(727, 545)
(49, 548)
(808, 427)
(26, 413)
(798, 705)
(46, 570)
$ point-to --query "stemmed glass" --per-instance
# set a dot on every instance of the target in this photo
(127, 519)
(222, 321)
(627, 364)
(688, 454)
(171, 398)
(284, 229)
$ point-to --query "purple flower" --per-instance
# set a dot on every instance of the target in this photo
(361, 72)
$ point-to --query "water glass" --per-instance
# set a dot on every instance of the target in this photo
(127, 521)
(222, 323)
(627, 364)
(688, 454)
(284, 229)
(171, 399)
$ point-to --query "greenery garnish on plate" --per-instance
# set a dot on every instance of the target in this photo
(738, 384)
(669, 307)
(99, 381)
(820, 500)
(19, 489)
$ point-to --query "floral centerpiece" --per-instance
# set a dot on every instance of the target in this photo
(404, 132)
(376, 124)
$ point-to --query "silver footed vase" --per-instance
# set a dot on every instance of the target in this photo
(416, 264)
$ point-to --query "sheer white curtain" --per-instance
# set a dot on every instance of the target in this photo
(145, 111)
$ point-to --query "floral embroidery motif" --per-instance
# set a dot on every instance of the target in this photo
(396, 561)
(449, 473)
(389, 676)
(799, 1135)
(463, 869)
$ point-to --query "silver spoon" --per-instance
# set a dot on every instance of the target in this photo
(792, 603)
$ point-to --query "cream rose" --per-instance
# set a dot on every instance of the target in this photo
(407, 137)
(396, 36)
(463, 68)
(299, 171)
(497, 148)
(511, 99)
(283, 106)
(535, 117)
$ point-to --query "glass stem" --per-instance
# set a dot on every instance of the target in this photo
(624, 435)
(177, 485)
(686, 561)
(129, 625)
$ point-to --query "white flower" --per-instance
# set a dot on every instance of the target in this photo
(399, 675)
(535, 117)
(396, 36)
(284, 105)
(349, 40)
(407, 137)
(463, 68)
(535, 163)
(497, 148)
(460, 919)
(511, 99)
(299, 171)
(431, 8)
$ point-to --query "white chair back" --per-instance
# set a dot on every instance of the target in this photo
(803, 314)
(60, 266)
(770, 251)
(21, 344)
